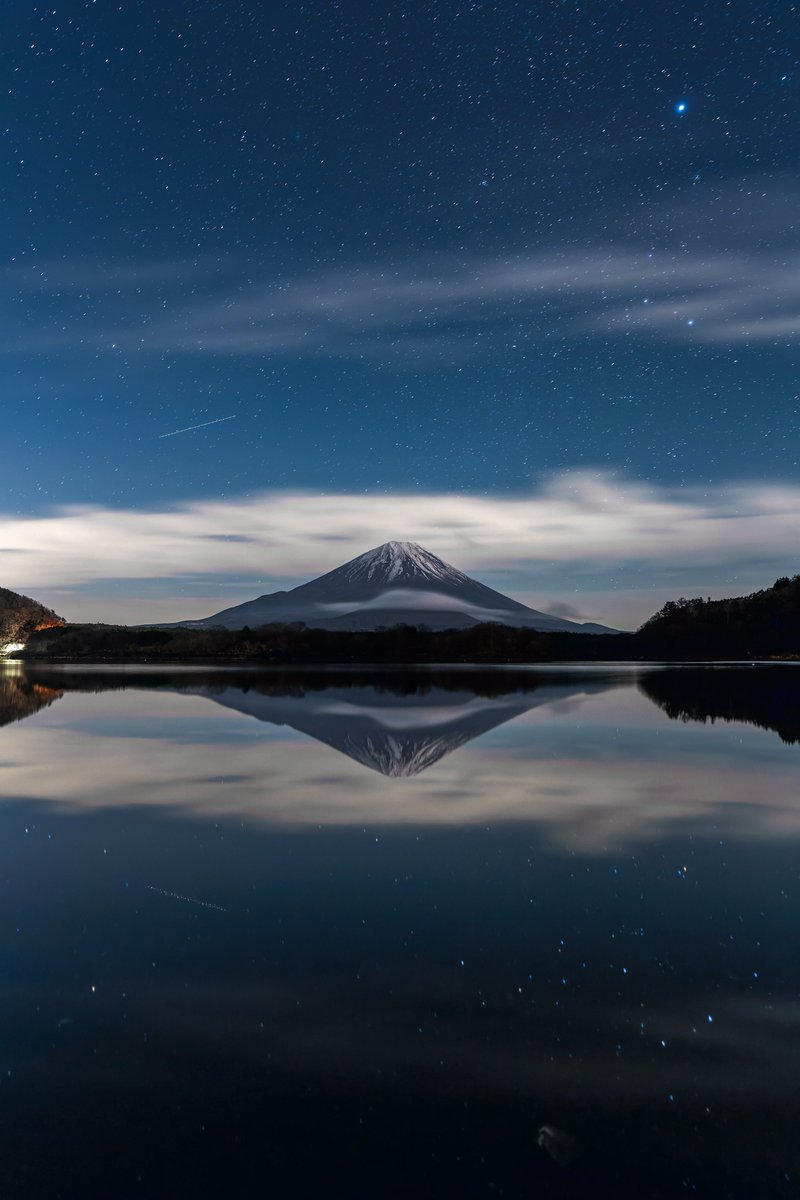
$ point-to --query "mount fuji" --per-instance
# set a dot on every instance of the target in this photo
(396, 583)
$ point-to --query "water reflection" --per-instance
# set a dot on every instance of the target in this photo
(768, 697)
(400, 723)
(20, 696)
(238, 962)
(599, 758)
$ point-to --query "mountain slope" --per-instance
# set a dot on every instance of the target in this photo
(394, 583)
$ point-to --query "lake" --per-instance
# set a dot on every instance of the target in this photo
(367, 933)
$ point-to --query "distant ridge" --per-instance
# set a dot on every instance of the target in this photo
(395, 583)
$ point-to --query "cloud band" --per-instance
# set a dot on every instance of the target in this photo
(573, 520)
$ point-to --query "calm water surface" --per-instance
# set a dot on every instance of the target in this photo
(363, 934)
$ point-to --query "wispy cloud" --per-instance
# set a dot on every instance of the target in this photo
(712, 285)
(688, 296)
(499, 302)
(576, 520)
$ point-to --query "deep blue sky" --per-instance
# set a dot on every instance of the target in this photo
(428, 246)
(160, 159)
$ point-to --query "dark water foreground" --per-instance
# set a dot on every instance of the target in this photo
(363, 934)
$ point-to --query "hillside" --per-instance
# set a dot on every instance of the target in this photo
(762, 624)
(20, 617)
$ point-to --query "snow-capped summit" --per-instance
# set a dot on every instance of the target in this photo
(397, 582)
(397, 562)
(396, 559)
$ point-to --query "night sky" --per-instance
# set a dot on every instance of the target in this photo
(396, 249)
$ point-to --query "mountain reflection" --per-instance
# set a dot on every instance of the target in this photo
(768, 697)
(398, 724)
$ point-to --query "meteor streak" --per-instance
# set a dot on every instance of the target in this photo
(189, 428)
(188, 899)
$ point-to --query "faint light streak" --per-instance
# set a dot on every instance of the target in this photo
(188, 899)
(189, 428)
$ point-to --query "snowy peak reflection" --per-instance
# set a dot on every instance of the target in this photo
(400, 722)
(398, 725)
(396, 736)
